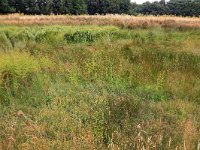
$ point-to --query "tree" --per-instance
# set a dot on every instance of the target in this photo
(108, 6)
(133, 9)
(58, 6)
(184, 8)
(21, 6)
(78, 7)
(125, 6)
(163, 2)
(32, 7)
(196, 8)
(92, 6)
(45, 6)
(6, 7)
(155, 8)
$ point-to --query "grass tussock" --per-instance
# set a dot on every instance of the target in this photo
(98, 87)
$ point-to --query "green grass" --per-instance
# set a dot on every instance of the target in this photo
(99, 87)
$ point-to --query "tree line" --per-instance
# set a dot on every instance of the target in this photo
(91, 7)
(74, 7)
(172, 7)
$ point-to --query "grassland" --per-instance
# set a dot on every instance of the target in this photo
(122, 21)
(99, 87)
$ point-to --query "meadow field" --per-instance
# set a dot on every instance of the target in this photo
(122, 21)
(99, 85)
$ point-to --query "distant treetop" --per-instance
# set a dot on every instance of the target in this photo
(91, 7)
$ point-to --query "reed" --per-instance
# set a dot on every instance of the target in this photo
(124, 21)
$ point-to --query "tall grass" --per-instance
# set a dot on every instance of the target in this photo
(123, 21)
(99, 87)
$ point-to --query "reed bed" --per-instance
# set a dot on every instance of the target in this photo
(117, 20)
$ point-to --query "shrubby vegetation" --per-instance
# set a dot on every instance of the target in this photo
(173, 7)
(74, 7)
(77, 7)
(99, 87)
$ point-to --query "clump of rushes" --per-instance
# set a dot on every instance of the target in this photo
(87, 36)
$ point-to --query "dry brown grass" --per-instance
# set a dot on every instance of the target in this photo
(189, 135)
(118, 20)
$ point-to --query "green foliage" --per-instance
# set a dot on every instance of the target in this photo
(108, 6)
(45, 6)
(78, 37)
(155, 8)
(78, 7)
(75, 7)
(6, 6)
(180, 8)
(59, 6)
(87, 36)
(173, 7)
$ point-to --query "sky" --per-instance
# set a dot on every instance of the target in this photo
(142, 1)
